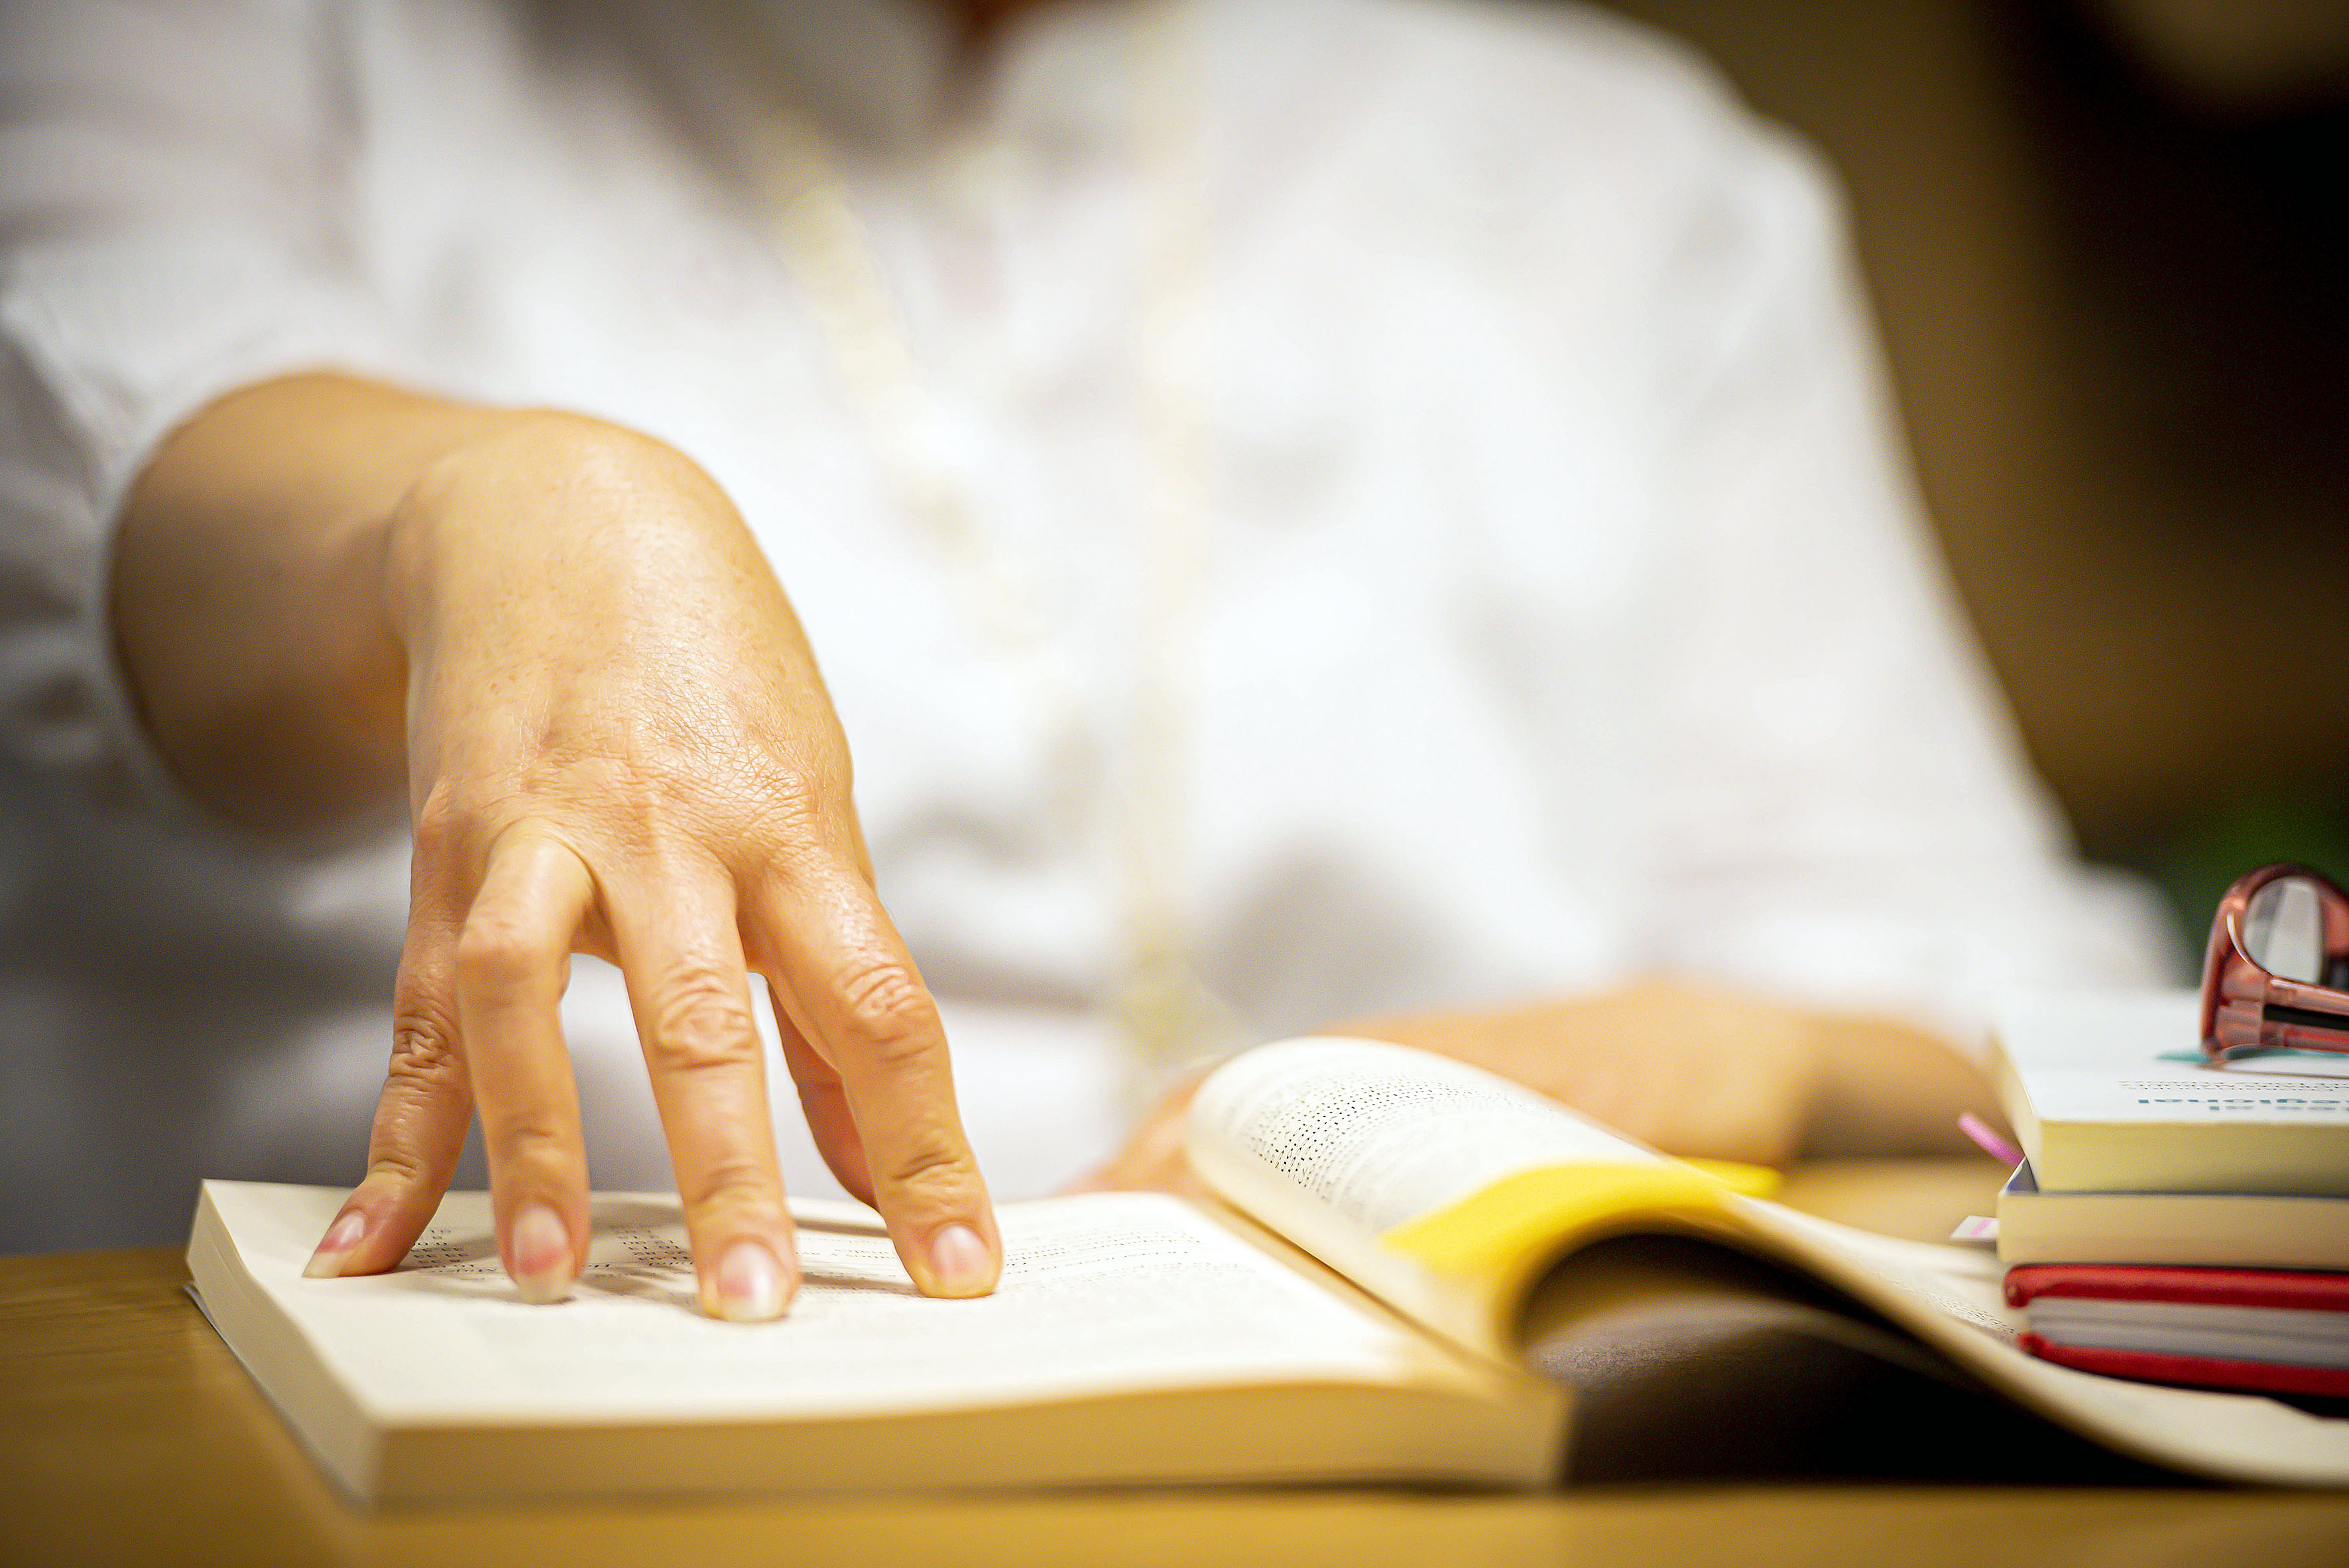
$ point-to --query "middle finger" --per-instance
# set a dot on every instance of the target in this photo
(673, 931)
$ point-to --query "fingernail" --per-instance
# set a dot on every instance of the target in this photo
(541, 1255)
(748, 1283)
(958, 1260)
(335, 1250)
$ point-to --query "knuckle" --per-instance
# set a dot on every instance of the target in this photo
(436, 824)
(888, 1014)
(701, 1023)
(930, 1173)
(424, 1054)
(736, 1188)
(524, 1136)
(501, 950)
(398, 1167)
(788, 808)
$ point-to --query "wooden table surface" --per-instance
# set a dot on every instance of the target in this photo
(128, 1434)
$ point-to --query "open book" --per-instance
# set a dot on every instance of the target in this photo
(1399, 1228)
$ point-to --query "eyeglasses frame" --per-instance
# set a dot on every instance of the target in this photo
(2241, 998)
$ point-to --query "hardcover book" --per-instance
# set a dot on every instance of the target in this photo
(2285, 1330)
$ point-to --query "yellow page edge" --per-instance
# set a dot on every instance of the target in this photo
(1507, 1229)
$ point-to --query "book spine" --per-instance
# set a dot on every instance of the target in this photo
(2193, 1371)
(2293, 1290)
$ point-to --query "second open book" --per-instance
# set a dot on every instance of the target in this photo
(1397, 1225)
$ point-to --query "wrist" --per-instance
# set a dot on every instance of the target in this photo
(437, 507)
(541, 472)
(1888, 1088)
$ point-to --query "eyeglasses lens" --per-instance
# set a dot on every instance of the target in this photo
(2283, 930)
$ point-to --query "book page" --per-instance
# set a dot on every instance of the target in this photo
(1338, 1142)
(1382, 1134)
(1952, 1299)
(1335, 1142)
(1100, 1294)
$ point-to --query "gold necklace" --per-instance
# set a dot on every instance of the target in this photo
(1169, 1018)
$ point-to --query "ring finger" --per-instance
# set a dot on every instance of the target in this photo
(513, 959)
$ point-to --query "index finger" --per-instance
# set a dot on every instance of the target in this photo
(853, 992)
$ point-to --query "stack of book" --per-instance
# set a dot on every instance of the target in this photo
(2174, 1220)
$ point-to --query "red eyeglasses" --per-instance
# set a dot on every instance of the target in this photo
(2277, 974)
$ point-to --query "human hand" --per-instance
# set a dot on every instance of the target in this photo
(618, 744)
(1712, 1074)
(1697, 1073)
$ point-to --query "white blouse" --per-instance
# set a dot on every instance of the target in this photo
(1564, 613)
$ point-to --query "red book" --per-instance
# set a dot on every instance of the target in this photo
(2283, 1331)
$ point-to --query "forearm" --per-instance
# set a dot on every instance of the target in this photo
(1706, 1072)
(248, 596)
(1697, 1073)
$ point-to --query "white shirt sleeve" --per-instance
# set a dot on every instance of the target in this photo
(169, 231)
(1844, 810)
